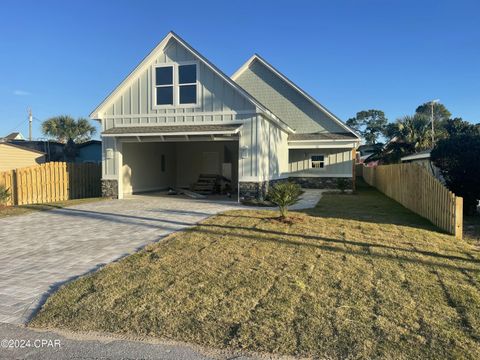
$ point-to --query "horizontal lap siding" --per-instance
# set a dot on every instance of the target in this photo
(12, 157)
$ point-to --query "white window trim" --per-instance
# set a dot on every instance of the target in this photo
(325, 158)
(176, 85)
(155, 86)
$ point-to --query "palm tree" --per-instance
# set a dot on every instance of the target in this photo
(414, 130)
(64, 128)
(410, 134)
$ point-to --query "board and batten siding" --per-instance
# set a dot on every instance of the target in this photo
(13, 157)
(218, 100)
(338, 162)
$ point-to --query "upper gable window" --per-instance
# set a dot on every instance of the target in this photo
(187, 79)
(176, 84)
(164, 85)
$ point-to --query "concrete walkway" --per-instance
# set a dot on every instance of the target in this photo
(42, 250)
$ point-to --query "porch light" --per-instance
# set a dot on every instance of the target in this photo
(244, 152)
(109, 153)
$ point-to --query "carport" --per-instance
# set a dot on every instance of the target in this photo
(156, 158)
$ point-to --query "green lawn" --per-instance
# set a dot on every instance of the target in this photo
(471, 229)
(359, 276)
(25, 209)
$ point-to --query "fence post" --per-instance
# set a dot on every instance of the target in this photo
(458, 217)
(14, 187)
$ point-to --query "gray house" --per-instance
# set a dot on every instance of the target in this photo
(177, 116)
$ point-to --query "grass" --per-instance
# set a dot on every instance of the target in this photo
(471, 229)
(359, 276)
(25, 209)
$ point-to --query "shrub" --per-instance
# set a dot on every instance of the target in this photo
(4, 194)
(457, 159)
(284, 195)
(342, 184)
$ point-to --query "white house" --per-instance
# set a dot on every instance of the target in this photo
(177, 116)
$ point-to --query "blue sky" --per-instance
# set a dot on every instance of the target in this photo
(64, 57)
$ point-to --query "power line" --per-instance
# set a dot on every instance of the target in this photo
(16, 126)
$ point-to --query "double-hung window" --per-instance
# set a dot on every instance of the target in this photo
(164, 85)
(176, 84)
(187, 82)
(318, 161)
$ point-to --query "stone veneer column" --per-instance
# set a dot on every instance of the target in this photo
(252, 189)
(110, 188)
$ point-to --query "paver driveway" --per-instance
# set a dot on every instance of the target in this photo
(42, 250)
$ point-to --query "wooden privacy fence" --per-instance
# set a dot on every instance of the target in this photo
(51, 182)
(416, 189)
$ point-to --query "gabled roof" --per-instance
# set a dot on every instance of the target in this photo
(147, 61)
(14, 136)
(295, 87)
(22, 148)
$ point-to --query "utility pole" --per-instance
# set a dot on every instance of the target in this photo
(30, 118)
(433, 129)
(433, 120)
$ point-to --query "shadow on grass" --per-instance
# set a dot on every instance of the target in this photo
(328, 245)
(283, 235)
(368, 205)
(279, 236)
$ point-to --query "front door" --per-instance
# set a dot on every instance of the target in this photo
(211, 163)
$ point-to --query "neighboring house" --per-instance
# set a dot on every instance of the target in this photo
(365, 151)
(422, 158)
(177, 116)
(14, 156)
(54, 151)
(89, 152)
(14, 136)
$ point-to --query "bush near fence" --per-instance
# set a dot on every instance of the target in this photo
(51, 182)
(416, 189)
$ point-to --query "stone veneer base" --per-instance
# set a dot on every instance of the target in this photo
(110, 188)
(259, 190)
(320, 182)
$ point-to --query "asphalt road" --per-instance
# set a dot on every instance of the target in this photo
(52, 345)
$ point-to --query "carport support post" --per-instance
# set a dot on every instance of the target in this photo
(354, 175)
(120, 168)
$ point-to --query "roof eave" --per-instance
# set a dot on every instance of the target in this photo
(324, 140)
